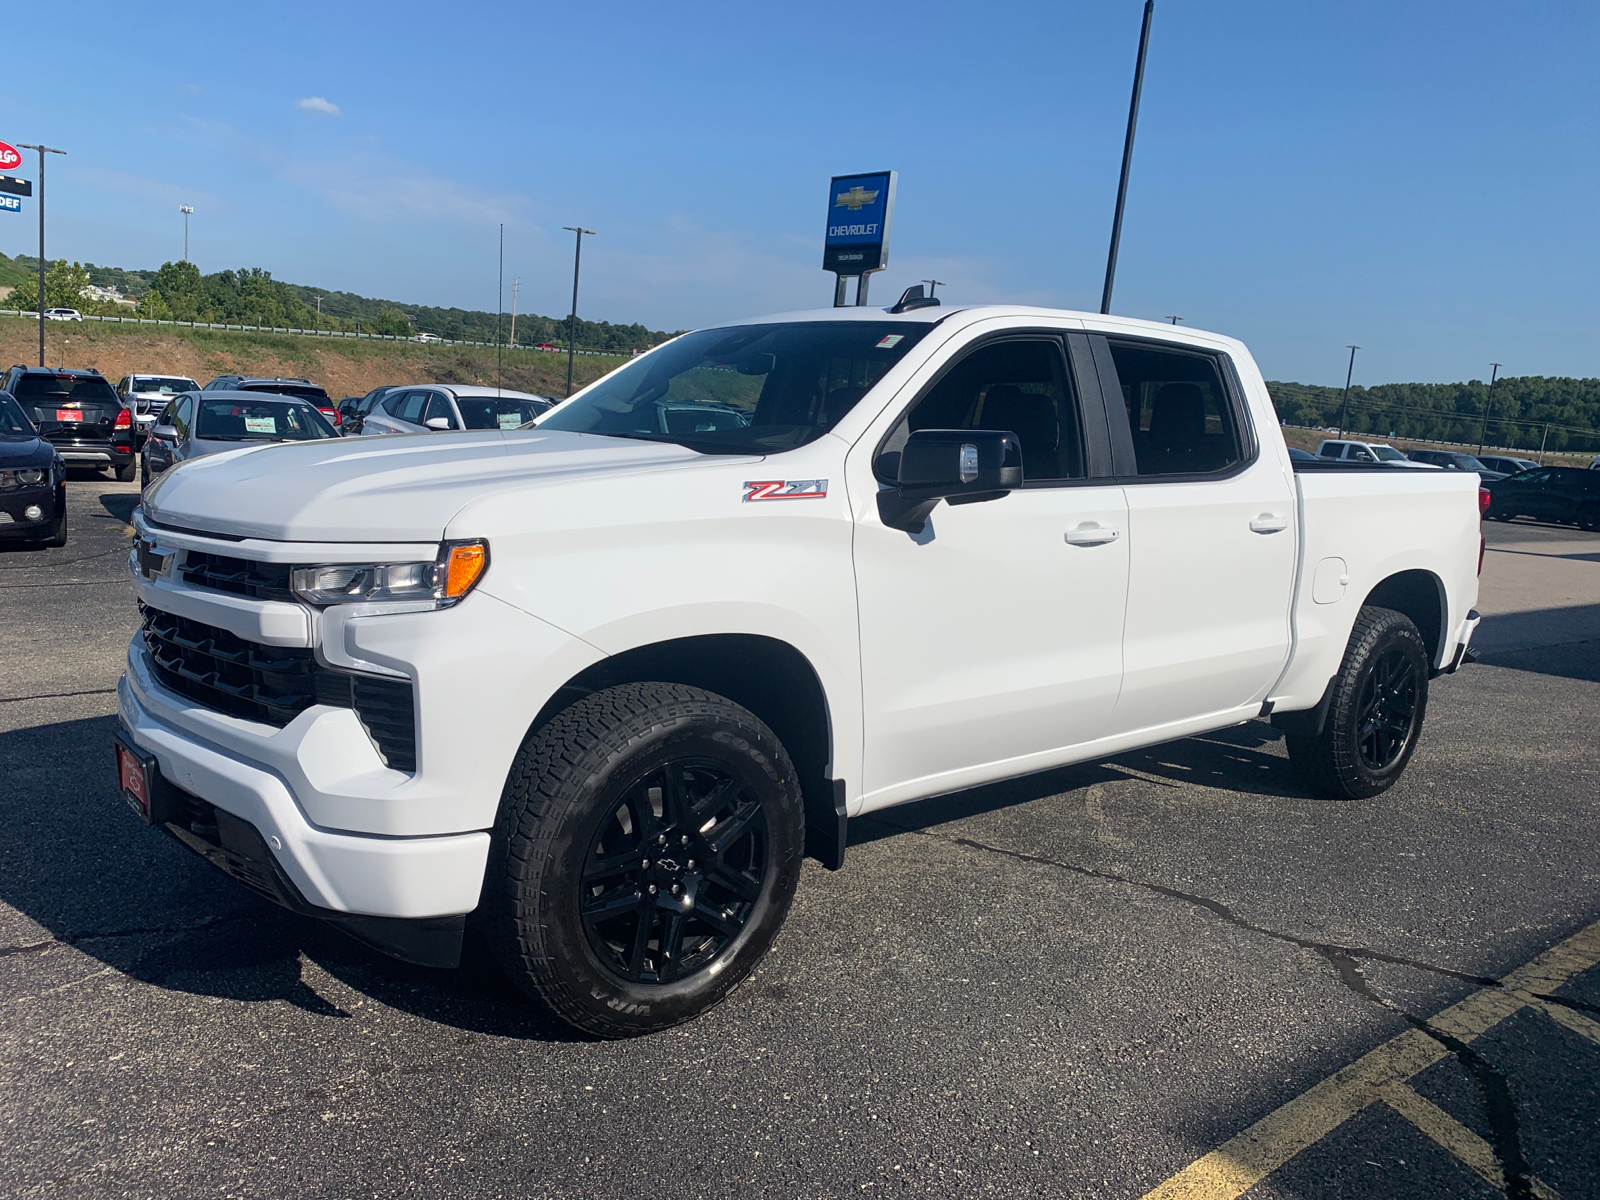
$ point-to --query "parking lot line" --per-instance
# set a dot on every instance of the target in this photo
(1244, 1160)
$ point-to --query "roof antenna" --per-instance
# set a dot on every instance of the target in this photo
(912, 298)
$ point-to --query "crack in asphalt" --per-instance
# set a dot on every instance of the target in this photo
(1499, 1107)
(58, 695)
(77, 939)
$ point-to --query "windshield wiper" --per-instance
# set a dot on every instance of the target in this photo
(688, 443)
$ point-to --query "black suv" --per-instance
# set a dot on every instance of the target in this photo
(299, 389)
(79, 413)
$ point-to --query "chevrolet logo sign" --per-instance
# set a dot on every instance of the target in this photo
(855, 199)
(154, 560)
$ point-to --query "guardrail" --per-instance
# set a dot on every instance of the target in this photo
(333, 333)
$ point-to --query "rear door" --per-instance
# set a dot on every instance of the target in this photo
(1212, 533)
(399, 412)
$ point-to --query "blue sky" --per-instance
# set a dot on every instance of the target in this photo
(1418, 178)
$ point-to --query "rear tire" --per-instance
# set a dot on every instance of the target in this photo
(1589, 518)
(646, 852)
(124, 473)
(1375, 716)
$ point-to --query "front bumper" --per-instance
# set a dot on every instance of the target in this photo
(406, 877)
(49, 498)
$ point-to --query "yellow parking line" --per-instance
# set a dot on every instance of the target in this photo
(1456, 1138)
(1575, 1021)
(1244, 1160)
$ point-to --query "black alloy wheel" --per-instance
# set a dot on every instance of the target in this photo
(674, 872)
(1387, 712)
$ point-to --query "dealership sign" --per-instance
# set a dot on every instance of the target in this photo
(10, 157)
(860, 209)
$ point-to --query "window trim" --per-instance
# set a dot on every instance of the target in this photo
(1233, 392)
(1069, 377)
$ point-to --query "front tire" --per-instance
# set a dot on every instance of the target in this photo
(1375, 715)
(647, 850)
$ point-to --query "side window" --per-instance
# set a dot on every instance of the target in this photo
(1178, 410)
(407, 406)
(439, 406)
(1333, 450)
(1019, 385)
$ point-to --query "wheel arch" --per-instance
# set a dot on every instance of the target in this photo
(766, 675)
(1420, 595)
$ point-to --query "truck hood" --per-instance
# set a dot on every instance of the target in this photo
(395, 488)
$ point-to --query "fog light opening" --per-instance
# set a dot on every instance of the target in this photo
(33, 513)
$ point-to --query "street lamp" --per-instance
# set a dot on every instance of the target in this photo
(572, 327)
(1127, 155)
(1344, 409)
(43, 150)
(185, 210)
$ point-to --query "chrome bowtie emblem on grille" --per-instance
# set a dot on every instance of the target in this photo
(153, 560)
(785, 489)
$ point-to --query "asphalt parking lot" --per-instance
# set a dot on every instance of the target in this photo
(1171, 972)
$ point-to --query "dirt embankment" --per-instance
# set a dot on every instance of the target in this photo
(345, 367)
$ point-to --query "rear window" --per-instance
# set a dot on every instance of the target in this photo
(303, 391)
(60, 388)
(243, 421)
(11, 418)
(498, 412)
(167, 385)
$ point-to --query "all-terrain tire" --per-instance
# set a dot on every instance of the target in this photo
(1375, 716)
(599, 815)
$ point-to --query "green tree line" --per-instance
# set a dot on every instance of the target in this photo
(1523, 411)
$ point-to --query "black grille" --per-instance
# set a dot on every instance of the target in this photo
(240, 576)
(275, 684)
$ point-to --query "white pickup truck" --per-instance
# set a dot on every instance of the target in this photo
(602, 681)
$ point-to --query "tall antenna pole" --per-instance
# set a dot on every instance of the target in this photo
(185, 209)
(1483, 426)
(1344, 409)
(43, 150)
(572, 322)
(1127, 156)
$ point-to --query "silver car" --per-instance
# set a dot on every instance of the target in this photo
(432, 408)
(199, 423)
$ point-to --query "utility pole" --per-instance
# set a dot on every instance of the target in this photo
(499, 307)
(1543, 441)
(572, 321)
(1127, 156)
(1483, 426)
(185, 210)
(1344, 409)
(932, 284)
(43, 150)
(319, 312)
(1174, 320)
(515, 280)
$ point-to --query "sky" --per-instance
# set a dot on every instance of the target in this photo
(1420, 179)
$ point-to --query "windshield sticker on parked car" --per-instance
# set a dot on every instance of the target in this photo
(890, 341)
(260, 425)
(785, 489)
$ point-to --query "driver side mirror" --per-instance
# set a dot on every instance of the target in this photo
(963, 466)
(165, 433)
(437, 423)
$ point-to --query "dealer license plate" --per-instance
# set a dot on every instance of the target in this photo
(69, 414)
(134, 778)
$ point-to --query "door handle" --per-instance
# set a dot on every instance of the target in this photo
(1267, 523)
(1089, 534)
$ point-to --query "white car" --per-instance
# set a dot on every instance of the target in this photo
(434, 408)
(427, 337)
(149, 395)
(1368, 452)
(613, 676)
(62, 314)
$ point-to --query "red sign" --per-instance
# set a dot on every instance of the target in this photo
(10, 159)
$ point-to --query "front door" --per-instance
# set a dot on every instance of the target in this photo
(992, 639)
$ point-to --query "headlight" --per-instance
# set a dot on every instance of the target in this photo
(444, 581)
(31, 477)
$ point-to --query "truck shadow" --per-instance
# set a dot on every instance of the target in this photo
(78, 863)
(120, 504)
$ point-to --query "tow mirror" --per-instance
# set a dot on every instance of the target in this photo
(963, 466)
(437, 423)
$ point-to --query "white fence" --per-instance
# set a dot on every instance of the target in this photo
(333, 333)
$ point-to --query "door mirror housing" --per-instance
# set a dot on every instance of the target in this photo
(963, 466)
(165, 433)
(437, 423)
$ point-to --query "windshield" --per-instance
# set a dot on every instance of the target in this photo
(498, 412)
(753, 389)
(1465, 462)
(259, 421)
(1388, 454)
(167, 385)
(66, 387)
(304, 391)
(11, 418)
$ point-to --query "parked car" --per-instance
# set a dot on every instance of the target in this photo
(62, 314)
(303, 389)
(1364, 452)
(1563, 495)
(438, 407)
(613, 682)
(147, 395)
(33, 481)
(547, 346)
(1299, 455)
(1505, 464)
(1451, 460)
(209, 422)
(79, 413)
(353, 410)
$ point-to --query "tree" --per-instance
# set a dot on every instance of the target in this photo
(391, 321)
(181, 289)
(64, 286)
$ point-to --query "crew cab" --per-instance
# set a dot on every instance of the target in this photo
(602, 681)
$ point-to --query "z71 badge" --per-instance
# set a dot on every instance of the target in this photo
(785, 489)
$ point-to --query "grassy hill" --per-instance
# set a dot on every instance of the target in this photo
(346, 367)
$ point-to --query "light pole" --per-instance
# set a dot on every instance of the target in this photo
(1483, 426)
(43, 150)
(185, 210)
(500, 307)
(1127, 156)
(932, 284)
(572, 326)
(1344, 408)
